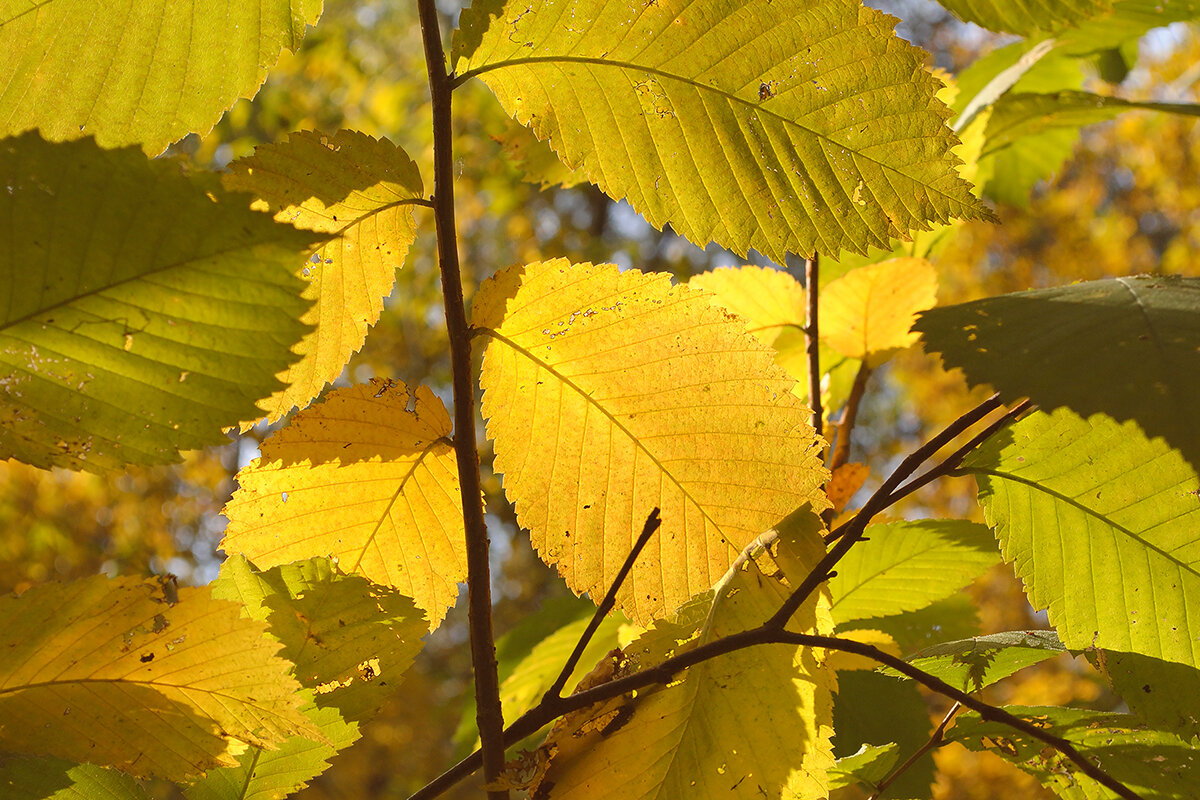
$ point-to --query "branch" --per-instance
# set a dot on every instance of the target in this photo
(652, 524)
(812, 341)
(483, 648)
(841, 451)
(934, 740)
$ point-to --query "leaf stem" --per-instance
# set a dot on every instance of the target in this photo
(812, 341)
(934, 740)
(652, 525)
(489, 716)
(841, 450)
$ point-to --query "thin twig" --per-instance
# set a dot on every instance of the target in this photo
(841, 450)
(812, 342)
(652, 524)
(489, 716)
(934, 740)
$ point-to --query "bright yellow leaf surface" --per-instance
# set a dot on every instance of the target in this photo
(867, 312)
(361, 189)
(768, 299)
(110, 672)
(609, 393)
(361, 479)
(749, 724)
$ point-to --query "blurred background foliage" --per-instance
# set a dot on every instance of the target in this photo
(1127, 201)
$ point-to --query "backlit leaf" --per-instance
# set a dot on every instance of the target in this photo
(56, 779)
(971, 664)
(1027, 17)
(112, 673)
(362, 191)
(867, 313)
(147, 72)
(750, 723)
(1099, 523)
(905, 566)
(143, 311)
(1043, 344)
(770, 300)
(868, 766)
(787, 126)
(1155, 764)
(361, 479)
(1164, 693)
(610, 393)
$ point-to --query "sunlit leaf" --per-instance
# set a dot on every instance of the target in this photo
(1155, 764)
(770, 300)
(1099, 523)
(782, 127)
(971, 664)
(867, 313)
(143, 312)
(954, 617)
(361, 190)
(905, 566)
(1027, 17)
(749, 723)
(842, 661)
(868, 766)
(147, 72)
(1164, 693)
(112, 673)
(56, 779)
(845, 483)
(361, 479)
(611, 393)
(1043, 344)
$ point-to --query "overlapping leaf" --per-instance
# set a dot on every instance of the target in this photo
(751, 723)
(770, 300)
(361, 190)
(361, 479)
(1164, 693)
(1043, 344)
(112, 673)
(350, 640)
(56, 779)
(905, 566)
(1027, 17)
(1155, 764)
(147, 72)
(866, 313)
(1101, 526)
(782, 127)
(971, 664)
(142, 311)
(611, 393)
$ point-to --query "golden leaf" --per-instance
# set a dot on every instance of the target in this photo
(867, 313)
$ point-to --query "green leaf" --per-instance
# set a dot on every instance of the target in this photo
(1044, 344)
(56, 779)
(1155, 764)
(147, 72)
(954, 617)
(361, 190)
(143, 311)
(1163, 693)
(868, 766)
(775, 125)
(1026, 17)
(905, 566)
(971, 664)
(1099, 523)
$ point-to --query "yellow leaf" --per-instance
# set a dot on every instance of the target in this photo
(361, 189)
(609, 393)
(867, 312)
(109, 672)
(841, 660)
(749, 724)
(361, 479)
(846, 480)
(770, 300)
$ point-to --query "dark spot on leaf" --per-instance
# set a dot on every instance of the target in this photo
(147, 658)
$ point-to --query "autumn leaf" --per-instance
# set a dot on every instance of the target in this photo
(177, 68)
(111, 672)
(610, 393)
(770, 300)
(867, 313)
(144, 310)
(360, 189)
(361, 479)
(845, 483)
(685, 93)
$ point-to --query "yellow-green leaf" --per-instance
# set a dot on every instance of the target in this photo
(609, 393)
(144, 72)
(770, 300)
(361, 479)
(749, 724)
(56, 779)
(775, 125)
(867, 312)
(1027, 17)
(113, 673)
(143, 311)
(361, 190)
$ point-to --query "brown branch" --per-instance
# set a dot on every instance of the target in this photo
(489, 717)
(610, 599)
(841, 450)
(934, 740)
(812, 342)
